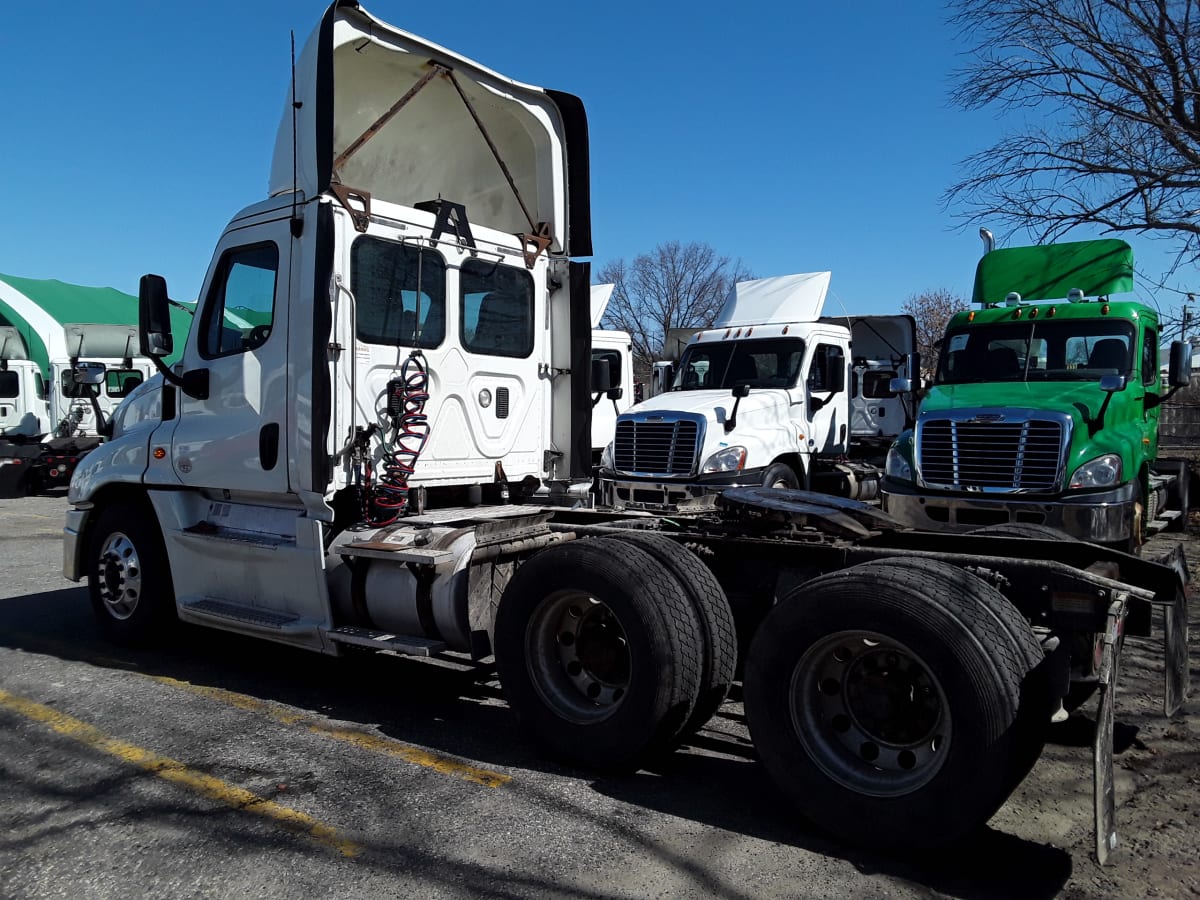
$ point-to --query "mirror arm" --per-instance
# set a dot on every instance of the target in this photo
(194, 384)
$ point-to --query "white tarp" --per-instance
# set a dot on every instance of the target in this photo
(785, 298)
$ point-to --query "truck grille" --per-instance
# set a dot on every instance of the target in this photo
(655, 448)
(991, 455)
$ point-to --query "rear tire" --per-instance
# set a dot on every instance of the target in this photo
(889, 702)
(599, 652)
(717, 628)
(1026, 530)
(129, 579)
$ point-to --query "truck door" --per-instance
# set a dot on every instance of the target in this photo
(235, 438)
(825, 403)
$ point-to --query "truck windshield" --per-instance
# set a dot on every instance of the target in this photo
(765, 363)
(1066, 350)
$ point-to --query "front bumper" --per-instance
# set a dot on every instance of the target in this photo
(73, 544)
(1103, 518)
(623, 492)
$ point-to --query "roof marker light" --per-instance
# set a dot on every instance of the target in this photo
(1050, 313)
(1033, 313)
(971, 316)
(1104, 310)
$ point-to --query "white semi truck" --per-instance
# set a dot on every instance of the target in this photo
(51, 414)
(774, 395)
(613, 349)
(392, 351)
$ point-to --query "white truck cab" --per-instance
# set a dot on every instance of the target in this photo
(772, 395)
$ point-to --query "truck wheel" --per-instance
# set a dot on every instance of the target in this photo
(599, 652)
(129, 580)
(889, 701)
(779, 475)
(1025, 530)
(717, 628)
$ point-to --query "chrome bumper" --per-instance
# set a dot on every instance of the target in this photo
(73, 544)
(1102, 518)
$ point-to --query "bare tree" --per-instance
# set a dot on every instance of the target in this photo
(931, 310)
(674, 286)
(1107, 97)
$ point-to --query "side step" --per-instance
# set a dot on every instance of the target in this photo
(1165, 517)
(403, 644)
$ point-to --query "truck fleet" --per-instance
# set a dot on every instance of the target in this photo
(392, 358)
(53, 336)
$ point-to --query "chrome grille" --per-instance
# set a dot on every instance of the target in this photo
(655, 448)
(1024, 455)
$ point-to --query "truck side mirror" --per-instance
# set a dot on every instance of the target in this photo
(154, 317)
(741, 390)
(835, 373)
(900, 385)
(601, 377)
(1180, 372)
(1110, 384)
(88, 373)
(912, 367)
(616, 393)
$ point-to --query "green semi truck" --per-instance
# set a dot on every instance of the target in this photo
(1044, 406)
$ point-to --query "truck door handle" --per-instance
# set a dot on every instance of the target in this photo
(268, 445)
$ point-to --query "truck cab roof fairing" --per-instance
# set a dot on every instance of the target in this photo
(355, 68)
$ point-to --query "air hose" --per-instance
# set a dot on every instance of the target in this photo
(385, 498)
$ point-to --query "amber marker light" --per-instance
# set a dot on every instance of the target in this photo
(971, 316)
(1033, 313)
(160, 453)
(1050, 313)
(1104, 310)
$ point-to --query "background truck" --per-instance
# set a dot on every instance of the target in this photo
(1046, 413)
(773, 394)
(615, 350)
(414, 351)
(48, 419)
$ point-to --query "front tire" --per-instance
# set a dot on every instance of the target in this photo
(892, 706)
(779, 475)
(129, 579)
(599, 652)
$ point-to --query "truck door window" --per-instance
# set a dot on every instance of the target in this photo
(119, 382)
(497, 309)
(10, 385)
(398, 290)
(823, 357)
(1150, 358)
(241, 301)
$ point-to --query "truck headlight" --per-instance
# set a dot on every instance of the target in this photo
(897, 466)
(1103, 471)
(606, 456)
(730, 459)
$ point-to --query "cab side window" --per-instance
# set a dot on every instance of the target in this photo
(10, 384)
(1150, 358)
(240, 307)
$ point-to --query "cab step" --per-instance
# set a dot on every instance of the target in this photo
(403, 644)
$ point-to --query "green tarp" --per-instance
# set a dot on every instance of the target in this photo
(73, 303)
(1098, 268)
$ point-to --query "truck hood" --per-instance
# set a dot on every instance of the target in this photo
(1058, 396)
(357, 72)
(715, 406)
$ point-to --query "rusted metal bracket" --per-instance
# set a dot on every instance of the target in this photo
(534, 245)
(1103, 792)
(1175, 654)
(435, 69)
(346, 196)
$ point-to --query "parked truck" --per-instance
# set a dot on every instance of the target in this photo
(774, 395)
(333, 475)
(68, 356)
(1045, 406)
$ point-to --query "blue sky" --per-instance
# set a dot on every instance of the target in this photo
(797, 136)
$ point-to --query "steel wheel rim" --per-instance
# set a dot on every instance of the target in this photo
(119, 576)
(578, 657)
(870, 713)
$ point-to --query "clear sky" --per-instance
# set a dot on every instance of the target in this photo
(797, 136)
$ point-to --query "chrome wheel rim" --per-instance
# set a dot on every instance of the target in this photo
(578, 657)
(870, 713)
(119, 576)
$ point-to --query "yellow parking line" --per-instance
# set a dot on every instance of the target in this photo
(361, 739)
(178, 773)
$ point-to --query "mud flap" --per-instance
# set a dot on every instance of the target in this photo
(1175, 654)
(1104, 795)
